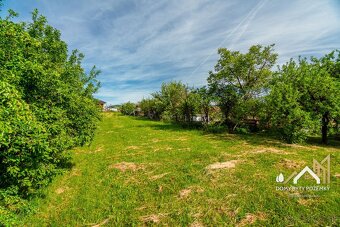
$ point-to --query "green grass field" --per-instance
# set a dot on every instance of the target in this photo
(141, 172)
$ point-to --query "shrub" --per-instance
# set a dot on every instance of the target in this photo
(128, 108)
(27, 160)
(46, 105)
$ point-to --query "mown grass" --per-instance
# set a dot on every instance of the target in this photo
(167, 181)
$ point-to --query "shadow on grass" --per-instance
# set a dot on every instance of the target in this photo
(221, 133)
(316, 141)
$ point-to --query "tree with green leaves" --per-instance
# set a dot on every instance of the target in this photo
(170, 99)
(190, 105)
(304, 97)
(128, 108)
(239, 78)
(205, 100)
(150, 108)
(331, 63)
(46, 103)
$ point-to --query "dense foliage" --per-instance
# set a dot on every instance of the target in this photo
(304, 98)
(46, 104)
(244, 94)
(128, 108)
(239, 80)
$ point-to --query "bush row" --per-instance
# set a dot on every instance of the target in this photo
(244, 93)
(46, 105)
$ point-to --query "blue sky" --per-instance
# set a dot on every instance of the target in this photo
(138, 44)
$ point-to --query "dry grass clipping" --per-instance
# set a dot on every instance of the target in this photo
(61, 190)
(251, 219)
(153, 218)
(124, 166)
(187, 191)
(102, 223)
(156, 177)
(132, 148)
(223, 165)
(290, 164)
(196, 224)
(269, 150)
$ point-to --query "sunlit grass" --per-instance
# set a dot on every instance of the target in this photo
(140, 172)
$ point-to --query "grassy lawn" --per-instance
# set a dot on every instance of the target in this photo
(141, 172)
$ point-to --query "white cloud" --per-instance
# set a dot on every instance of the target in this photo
(139, 44)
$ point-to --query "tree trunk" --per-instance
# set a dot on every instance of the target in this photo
(324, 129)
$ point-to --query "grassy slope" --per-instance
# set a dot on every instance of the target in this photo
(168, 160)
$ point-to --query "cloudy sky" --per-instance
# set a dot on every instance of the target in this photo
(138, 44)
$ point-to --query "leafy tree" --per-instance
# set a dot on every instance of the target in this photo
(26, 158)
(190, 105)
(150, 108)
(286, 115)
(47, 105)
(128, 108)
(304, 96)
(239, 78)
(331, 63)
(205, 100)
(170, 99)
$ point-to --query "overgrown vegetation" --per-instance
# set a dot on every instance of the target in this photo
(139, 172)
(244, 93)
(46, 108)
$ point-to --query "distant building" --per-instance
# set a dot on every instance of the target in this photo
(101, 104)
(197, 118)
(110, 108)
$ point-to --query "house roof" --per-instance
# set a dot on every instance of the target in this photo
(101, 101)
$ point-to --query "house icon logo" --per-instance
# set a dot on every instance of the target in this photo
(321, 171)
(306, 169)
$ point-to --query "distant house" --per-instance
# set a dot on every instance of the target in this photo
(113, 109)
(197, 118)
(101, 104)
